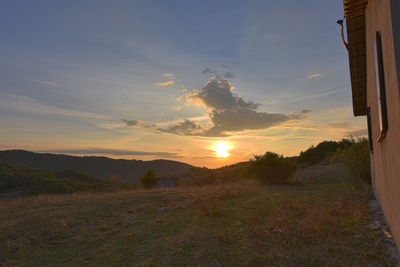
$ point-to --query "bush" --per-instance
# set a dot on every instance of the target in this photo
(271, 168)
(314, 155)
(149, 179)
(357, 160)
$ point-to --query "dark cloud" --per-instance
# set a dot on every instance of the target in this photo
(105, 151)
(247, 119)
(228, 75)
(186, 127)
(209, 71)
(216, 74)
(217, 95)
(133, 123)
(138, 124)
(228, 112)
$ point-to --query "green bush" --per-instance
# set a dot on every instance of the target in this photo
(314, 155)
(271, 168)
(149, 179)
(357, 160)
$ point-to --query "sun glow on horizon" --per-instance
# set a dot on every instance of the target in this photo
(222, 148)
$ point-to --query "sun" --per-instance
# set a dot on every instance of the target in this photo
(221, 148)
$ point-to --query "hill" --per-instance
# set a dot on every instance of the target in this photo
(202, 176)
(102, 167)
(16, 181)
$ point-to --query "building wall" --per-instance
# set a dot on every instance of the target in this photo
(395, 10)
(386, 155)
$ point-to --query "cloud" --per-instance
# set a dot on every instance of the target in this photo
(227, 112)
(49, 83)
(186, 127)
(217, 74)
(165, 84)
(170, 77)
(177, 108)
(247, 119)
(359, 133)
(25, 104)
(340, 124)
(209, 71)
(228, 75)
(314, 75)
(317, 95)
(217, 95)
(137, 124)
(105, 151)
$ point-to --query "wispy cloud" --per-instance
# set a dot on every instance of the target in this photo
(170, 81)
(29, 105)
(138, 124)
(314, 75)
(177, 108)
(359, 133)
(49, 83)
(165, 84)
(106, 151)
(340, 124)
(316, 95)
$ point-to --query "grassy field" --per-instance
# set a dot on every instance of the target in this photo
(231, 225)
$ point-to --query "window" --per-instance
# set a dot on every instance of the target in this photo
(380, 85)
(371, 148)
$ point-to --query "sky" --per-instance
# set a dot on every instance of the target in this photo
(173, 80)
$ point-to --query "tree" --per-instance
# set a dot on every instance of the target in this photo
(149, 179)
(271, 168)
(357, 160)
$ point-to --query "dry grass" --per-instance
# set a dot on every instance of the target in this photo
(233, 225)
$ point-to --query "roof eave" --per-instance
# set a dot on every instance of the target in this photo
(355, 16)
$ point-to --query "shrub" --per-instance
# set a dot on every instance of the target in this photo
(271, 168)
(149, 179)
(314, 155)
(357, 160)
(114, 182)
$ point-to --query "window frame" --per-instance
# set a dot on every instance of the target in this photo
(371, 146)
(381, 87)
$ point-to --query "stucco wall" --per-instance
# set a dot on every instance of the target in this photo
(386, 155)
(395, 10)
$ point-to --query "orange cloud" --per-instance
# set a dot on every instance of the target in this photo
(165, 84)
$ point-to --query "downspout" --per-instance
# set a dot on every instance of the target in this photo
(340, 22)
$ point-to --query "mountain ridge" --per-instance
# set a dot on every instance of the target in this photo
(102, 167)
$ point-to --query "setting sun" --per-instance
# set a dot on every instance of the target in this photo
(221, 148)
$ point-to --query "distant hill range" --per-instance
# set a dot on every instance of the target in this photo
(17, 181)
(102, 167)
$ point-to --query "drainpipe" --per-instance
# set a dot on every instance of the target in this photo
(340, 22)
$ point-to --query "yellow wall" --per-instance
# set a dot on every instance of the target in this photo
(386, 155)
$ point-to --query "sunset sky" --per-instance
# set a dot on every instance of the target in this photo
(173, 79)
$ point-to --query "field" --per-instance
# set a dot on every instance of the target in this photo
(240, 224)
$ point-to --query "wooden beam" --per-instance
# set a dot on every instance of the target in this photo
(354, 8)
